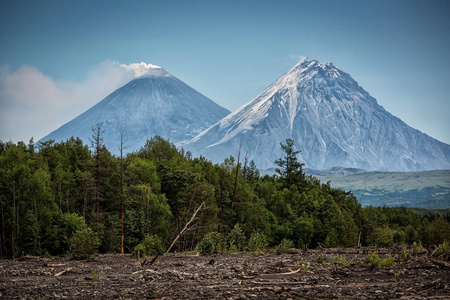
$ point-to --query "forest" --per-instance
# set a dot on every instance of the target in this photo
(70, 198)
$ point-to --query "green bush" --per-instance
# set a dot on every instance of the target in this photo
(211, 243)
(388, 261)
(382, 237)
(304, 228)
(285, 245)
(410, 234)
(72, 223)
(151, 245)
(321, 259)
(373, 258)
(258, 242)
(332, 239)
(434, 233)
(339, 260)
(418, 248)
(443, 250)
(236, 240)
(84, 243)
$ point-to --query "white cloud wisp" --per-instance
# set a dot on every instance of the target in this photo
(33, 104)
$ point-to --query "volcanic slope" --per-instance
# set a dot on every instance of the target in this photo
(156, 103)
(333, 121)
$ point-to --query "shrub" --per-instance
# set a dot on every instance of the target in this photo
(211, 243)
(236, 240)
(150, 245)
(443, 251)
(373, 258)
(332, 239)
(304, 229)
(84, 243)
(382, 237)
(95, 275)
(72, 223)
(410, 234)
(321, 259)
(399, 237)
(404, 254)
(436, 232)
(257, 242)
(285, 245)
(388, 261)
(339, 260)
(417, 248)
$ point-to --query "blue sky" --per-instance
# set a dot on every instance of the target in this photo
(58, 58)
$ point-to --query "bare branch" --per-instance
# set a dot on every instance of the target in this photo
(185, 227)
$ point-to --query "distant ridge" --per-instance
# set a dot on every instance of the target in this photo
(426, 189)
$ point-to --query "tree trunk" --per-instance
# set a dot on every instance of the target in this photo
(244, 170)
(234, 190)
(3, 234)
(220, 207)
(12, 242)
(97, 144)
(13, 223)
(121, 190)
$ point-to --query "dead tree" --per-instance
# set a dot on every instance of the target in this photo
(97, 145)
(186, 226)
(234, 190)
(99, 170)
(121, 148)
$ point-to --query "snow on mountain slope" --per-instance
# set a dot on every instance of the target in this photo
(157, 103)
(333, 121)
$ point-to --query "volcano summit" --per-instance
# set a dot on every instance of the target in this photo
(156, 103)
(333, 121)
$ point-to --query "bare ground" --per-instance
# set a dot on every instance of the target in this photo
(323, 273)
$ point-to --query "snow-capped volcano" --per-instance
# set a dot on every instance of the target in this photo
(156, 103)
(333, 121)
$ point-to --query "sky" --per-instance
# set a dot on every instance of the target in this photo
(59, 58)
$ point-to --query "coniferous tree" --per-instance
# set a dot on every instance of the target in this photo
(98, 170)
(252, 172)
(121, 148)
(290, 169)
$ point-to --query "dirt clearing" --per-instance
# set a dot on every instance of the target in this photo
(323, 273)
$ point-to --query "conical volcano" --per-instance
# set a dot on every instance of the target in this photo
(157, 103)
(333, 121)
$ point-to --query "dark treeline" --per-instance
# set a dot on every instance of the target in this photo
(51, 192)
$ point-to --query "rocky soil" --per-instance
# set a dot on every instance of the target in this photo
(322, 273)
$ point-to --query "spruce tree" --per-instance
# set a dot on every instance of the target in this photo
(290, 169)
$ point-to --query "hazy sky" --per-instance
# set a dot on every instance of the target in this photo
(58, 58)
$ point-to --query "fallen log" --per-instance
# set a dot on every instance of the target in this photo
(441, 263)
(54, 265)
(211, 262)
(63, 271)
(279, 274)
(30, 257)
